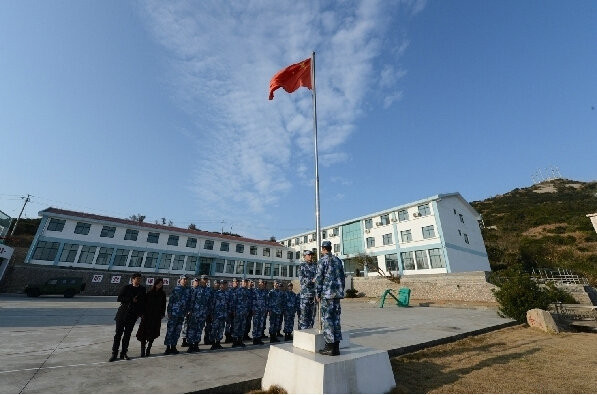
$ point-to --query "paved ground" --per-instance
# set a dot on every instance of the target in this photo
(57, 345)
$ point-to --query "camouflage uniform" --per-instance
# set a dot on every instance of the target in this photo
(178, 306)
(275, 307)
(230, 318)
(307, 273)
(241, 303)
(220, 308)
(199, 310)
(208, 319)
(259, 308)
(329, 286)
(249, 317)
(291, 307)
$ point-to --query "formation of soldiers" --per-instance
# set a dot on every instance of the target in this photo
(218, 312)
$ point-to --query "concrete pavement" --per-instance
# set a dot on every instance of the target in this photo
(58, 345)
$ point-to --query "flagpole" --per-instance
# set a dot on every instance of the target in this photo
(317, 221)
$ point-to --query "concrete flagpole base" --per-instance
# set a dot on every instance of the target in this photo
(357, 370)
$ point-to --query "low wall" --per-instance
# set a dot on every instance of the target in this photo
(468, 287)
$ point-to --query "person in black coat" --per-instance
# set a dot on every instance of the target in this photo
(132, 304)
(151, 321)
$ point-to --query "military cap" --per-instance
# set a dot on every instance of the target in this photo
(137, 274)
(327, 244)
(290, 284)
(308, 252)
(196, 279)
(183, 276)
(204, 277)
(223, 281)
(234, 280)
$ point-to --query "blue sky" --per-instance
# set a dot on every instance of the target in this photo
(160, 108)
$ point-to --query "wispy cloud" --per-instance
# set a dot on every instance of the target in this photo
(222, 56)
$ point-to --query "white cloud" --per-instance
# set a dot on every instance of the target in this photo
(222, 56)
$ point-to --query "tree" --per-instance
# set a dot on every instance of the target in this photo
(272, 238)
(193, 227)
(363, 261)
(137, 217)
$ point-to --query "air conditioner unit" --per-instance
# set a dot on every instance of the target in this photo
(416, 215)
(367, 231)
(378, 223)
(394, 220)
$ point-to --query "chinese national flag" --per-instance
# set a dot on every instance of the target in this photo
(291, 78)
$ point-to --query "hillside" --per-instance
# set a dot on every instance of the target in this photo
(544, 225)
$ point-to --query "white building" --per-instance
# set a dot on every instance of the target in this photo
(440, 234)
(81, 240)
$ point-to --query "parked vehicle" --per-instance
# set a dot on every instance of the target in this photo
(67, 286)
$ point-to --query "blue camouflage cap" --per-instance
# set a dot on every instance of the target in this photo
(327, 244)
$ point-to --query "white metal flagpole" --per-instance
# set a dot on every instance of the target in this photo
(317, 221)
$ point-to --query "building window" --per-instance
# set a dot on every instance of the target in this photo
(108, 231)
(406, 236)
(87, 254)
(268, 269)
(151, 260)
(323, 234)
(305, 239)
(296, 240)
(392, 262)
(461, 218)
(369, 223)
(387, 239)
(219, 265)
(428, 232)
(178, 263)
(131, 234)
(240, 248)
(314, 237)
(229, 268)
(370, 242)
(172, 240)
(284, 271)
(240, 267)
(82, 228)
(436, 258)
(266, 251)
(258, 268)
(56, 225)
(336, 232)
(402, 215)
(466, 238)
(166, 261)
(224, 246)
(104, 255)
(276, 270)
(336, 248)
(69, 252)
(385, 219)
(205, 265)
(136, 258)
(46, 251)
(191, 264)
(408, 262)
(191, 242)
(297, 255)
(253, 250)
(153, 237)
(421, 259)
(121, 256)
(251, 268)
(209, 245)
(424, 210)
(278, 253)
(288, 254)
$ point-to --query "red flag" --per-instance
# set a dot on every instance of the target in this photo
(291, 78)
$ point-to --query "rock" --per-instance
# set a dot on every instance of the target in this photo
(541, 319)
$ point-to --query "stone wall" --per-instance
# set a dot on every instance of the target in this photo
(469, 287)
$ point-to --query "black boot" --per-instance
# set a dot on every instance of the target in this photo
(257, 341)
(173, 350)
(124, 356)
(216, 346)
(273, 339)
(148, 351)
(184, 342)
(143, 348)
(228, 339)
(235, 343)
(247, 337)
(336, 350)
(328, 349)
(287, 337)
(168, 350)
(114, 356)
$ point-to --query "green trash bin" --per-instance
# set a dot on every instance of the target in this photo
(403, 297)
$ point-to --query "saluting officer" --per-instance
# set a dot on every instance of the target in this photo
(329, 288)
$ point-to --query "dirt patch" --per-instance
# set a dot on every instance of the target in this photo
(512, 360)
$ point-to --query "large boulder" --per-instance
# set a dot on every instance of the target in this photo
(541, 319)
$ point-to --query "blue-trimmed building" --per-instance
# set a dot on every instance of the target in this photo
(440, 234)
(81, 240)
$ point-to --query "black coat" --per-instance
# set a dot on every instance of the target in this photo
(129, 308)
(151, 321)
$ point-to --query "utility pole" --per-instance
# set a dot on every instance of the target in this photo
(27, 199)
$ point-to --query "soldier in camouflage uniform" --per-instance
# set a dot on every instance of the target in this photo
(249, 318)
(208, 320)
(291, 306)
(178, 306)
(275, 307)
(329, 288)
(230, 318)
(198, 312)
(241, 302)
(220, 308)
(307, 271)
(259, 307)
(185, 325)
